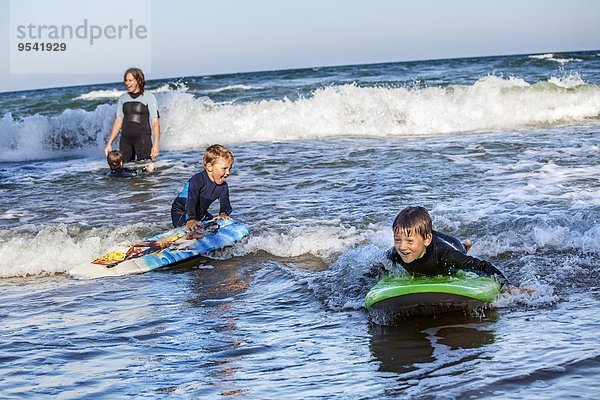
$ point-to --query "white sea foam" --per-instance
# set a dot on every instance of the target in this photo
(346, 283)
(41, 137)
(350, 250)
(69, 245)
(114, 93)
(325, 242)
(100, 94)
(550, 180)
(189, 122)
(31, 250)
(561, 237)
(542, 56)
(567, 82)
(490, 104)
(552, 57)
(231, 88)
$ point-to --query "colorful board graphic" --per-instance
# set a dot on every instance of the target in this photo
(165, 249)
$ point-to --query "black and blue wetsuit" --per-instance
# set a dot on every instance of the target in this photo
(137, 111)
(445, 256)
(197, 195)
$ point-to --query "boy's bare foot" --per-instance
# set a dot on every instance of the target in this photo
(467, 243)
(516, 290)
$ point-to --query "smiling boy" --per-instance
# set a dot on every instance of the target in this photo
(423, 251)
(201, 190)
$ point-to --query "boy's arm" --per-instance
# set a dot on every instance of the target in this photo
(147, 168)
(131, 172)
(224, 204)
(462, 261)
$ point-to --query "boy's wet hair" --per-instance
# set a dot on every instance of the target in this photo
(212, 153)
(138, 75)
(114, 159)
(413, 221)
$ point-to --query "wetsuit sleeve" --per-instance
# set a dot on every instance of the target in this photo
(152, 106)
(193, 196)
(131, 172)
(120, 106)
(459, 260)
(225, 205)
(123, 172)
(378, 270)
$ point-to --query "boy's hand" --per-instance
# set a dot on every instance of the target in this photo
(191, 225)
(221, 216)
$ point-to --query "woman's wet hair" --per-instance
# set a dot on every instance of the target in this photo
(138, 75)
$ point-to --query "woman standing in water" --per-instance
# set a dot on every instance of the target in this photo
(137, 115)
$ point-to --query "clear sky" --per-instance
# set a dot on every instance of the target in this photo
(190, 38)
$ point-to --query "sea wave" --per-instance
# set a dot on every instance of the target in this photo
(114, 93)
(324, 242)
(58, 248)
(190, 122)
(231, 88)
(567, 82)
(552, 57)
(69, 245)
(350, 250)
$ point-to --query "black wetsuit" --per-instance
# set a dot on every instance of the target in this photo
(197, 195)
(137, 111)
(125, 172)
(445, 256)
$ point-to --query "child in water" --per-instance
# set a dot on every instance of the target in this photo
(114, 158)
(423, 251)
(201, 190)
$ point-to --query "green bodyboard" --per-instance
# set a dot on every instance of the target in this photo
(460, 290)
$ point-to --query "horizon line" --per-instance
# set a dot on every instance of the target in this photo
(306, 68)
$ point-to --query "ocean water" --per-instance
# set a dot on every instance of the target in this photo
(502, 150)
